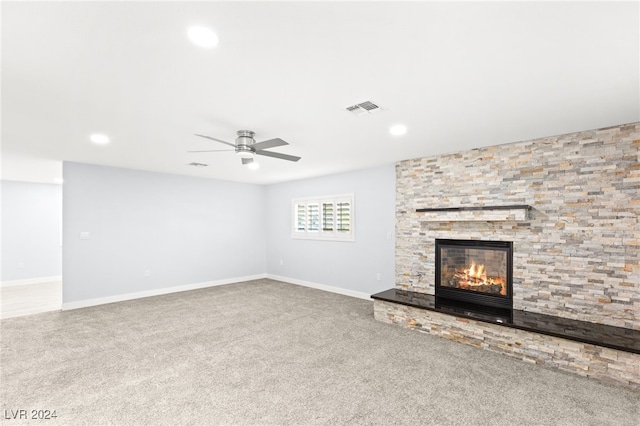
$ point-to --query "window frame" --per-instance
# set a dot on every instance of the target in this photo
(319, 231)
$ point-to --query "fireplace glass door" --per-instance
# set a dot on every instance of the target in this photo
(475, 271)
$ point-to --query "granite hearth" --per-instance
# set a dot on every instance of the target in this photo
(606, 353)
(606, 336)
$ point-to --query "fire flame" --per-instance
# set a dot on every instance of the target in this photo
(476, 275)
(480, 273)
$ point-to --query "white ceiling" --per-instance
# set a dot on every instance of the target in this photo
(458, 75)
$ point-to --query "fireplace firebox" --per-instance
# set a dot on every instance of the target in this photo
(475, 272)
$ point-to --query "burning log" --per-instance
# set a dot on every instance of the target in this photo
(471, 280)
(479, 287)
(475, 278)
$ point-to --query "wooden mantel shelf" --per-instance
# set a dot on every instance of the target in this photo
(517, 213)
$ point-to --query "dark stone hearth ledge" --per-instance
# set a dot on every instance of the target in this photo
(608, 336)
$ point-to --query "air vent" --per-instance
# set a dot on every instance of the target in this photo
(198, 164)
(363, 108)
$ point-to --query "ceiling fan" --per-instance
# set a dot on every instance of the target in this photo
(246, 147)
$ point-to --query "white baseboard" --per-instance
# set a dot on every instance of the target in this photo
(156, 292)
(160, 291)
(317, 286)
(27, 281)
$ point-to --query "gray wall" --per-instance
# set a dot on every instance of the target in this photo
(31, 225)
(184, 230)
(347, 265)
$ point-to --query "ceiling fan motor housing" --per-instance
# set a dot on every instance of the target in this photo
(243, 143)
(245, 137)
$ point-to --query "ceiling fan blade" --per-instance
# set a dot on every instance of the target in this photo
(247, 160)
(278, 155)
(214, 139)
(215, 150)
(271, 143)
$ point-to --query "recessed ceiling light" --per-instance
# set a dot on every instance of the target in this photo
(203, 37)
(398, 130)
(99, 139)
(253, 166)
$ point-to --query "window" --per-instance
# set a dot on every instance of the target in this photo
(324, 218)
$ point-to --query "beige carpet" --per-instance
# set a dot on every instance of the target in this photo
(270, 353)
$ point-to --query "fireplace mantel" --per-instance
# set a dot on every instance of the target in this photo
(516, 213)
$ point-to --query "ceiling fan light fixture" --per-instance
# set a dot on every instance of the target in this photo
(253, 166)
(244, 154)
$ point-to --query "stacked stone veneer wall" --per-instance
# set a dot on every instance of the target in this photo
(577, 255)
(587, 360)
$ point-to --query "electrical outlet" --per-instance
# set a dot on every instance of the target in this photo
(378, 276)
(85, 235)
(20, 265)
(147, 273)
(281, 262)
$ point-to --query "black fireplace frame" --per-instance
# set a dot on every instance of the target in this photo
(469, 296)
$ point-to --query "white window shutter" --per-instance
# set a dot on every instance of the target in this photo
(329, 218)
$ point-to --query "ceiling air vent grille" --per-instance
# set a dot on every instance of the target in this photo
(194, 164)
(362, 108)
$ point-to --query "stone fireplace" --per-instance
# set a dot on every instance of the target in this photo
(569, 207)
